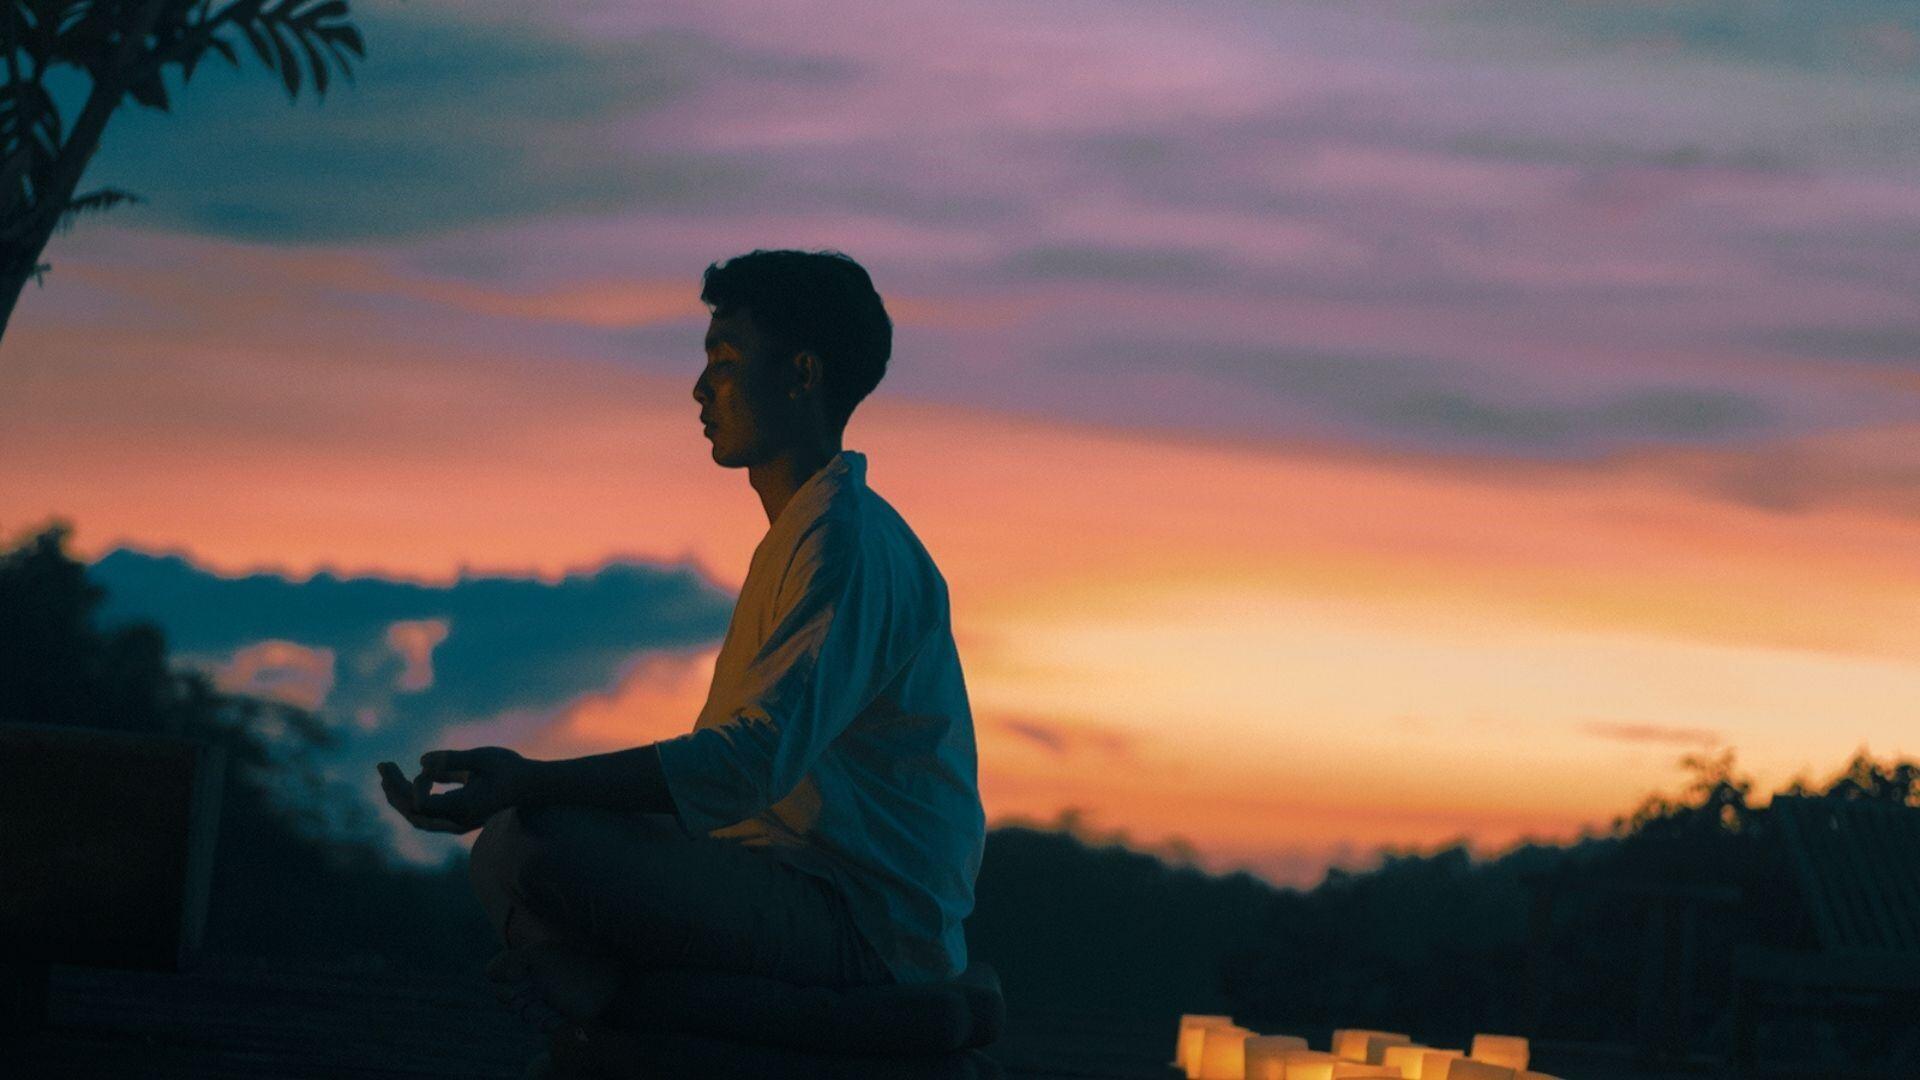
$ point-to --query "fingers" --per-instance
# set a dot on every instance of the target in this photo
(433, 824)
(451, 805)
(394, 784)
(447, 765)
(400, 796)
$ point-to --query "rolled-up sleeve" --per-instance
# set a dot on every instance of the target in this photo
(817, 670)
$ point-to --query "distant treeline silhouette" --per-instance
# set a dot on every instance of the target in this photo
(1434, 943)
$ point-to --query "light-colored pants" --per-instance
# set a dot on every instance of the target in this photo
(634, 886)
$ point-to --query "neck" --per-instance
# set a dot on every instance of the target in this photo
(778, 477)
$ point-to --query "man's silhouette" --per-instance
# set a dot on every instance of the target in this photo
(822, 822)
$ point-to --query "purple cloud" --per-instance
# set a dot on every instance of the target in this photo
(1536, 231)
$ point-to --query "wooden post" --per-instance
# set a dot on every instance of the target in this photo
(109, 846)
(1649, 1034)
(1539, 949)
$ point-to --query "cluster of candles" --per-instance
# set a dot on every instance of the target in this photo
(1215, 1048)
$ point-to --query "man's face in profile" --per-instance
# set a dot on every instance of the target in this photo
(742, 392)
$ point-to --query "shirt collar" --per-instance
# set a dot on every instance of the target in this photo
(844, 470)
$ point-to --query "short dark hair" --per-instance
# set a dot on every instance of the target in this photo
(819, 301)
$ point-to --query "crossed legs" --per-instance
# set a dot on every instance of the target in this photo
(618, 888)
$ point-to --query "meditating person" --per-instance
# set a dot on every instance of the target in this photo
(821, 824)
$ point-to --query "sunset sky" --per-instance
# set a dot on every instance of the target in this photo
(1340, 425)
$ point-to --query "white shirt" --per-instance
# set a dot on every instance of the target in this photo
(837, 731)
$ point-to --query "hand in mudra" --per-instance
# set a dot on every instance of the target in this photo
(491, 777)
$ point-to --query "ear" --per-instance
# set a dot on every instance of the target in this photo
(809, 373)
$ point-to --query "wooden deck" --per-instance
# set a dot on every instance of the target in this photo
(231, 1019)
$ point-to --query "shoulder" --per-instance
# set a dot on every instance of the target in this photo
(836, 535)
(863, 535)
(826, 554)
(913, 575)
(893, 531)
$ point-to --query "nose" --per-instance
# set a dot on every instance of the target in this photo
(700, 392)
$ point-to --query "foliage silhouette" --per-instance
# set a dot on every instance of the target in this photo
(282, 886)
(125, 48)
(1071, 923)
(1437, 944)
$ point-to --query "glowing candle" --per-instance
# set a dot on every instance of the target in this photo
(1281, 1064)
(1362, 1044)
(1433, 1064)
(1188, 1045)
(1337, 1069)
(1223, 1052)
(1508, 1050)
(1466, 1068)
(1405, 1058)
(1264, 1055)
(1374, 1048)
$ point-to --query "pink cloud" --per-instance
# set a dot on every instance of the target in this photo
(283, 671)
(414, 640)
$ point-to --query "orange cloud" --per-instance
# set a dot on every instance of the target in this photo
(1062, 739)
(659, 696)
(261, 286)
(1654, 733)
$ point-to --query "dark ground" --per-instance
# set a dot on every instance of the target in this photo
(233, 1018)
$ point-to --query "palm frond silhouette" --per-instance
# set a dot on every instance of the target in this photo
(125, 47)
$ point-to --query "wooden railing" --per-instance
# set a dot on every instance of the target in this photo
(106, 853)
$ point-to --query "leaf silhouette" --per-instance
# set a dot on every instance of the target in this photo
(151, 92)
(289, 66)
(319, 63)
(94, 201)
(224, 48)
(256, 39)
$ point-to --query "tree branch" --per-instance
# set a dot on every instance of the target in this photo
(52, 190)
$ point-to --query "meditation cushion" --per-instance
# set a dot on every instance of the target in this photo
(895, 1019)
